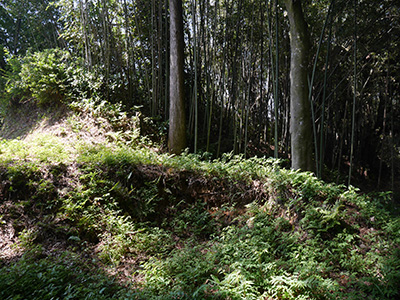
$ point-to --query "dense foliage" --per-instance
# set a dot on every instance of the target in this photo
(184, 227)
(233, 52)
(92, 208)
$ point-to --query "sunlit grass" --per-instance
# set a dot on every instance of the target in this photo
(40, 147)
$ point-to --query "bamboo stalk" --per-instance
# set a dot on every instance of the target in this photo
(321, 147)
(354, 94)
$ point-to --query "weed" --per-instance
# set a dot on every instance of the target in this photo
(57, 278)
(185, 271)
(190, 219)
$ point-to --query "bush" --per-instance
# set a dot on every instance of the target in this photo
(48, 77)
(43, 75)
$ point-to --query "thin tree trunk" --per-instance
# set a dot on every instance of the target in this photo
(276, 90)
(107, 47)
(247, 105)
(262, 71)
(128, 41)
(146, 71)
(321, 147)
(223, 88)
(213, 89)
(382, 141)
(195, 104)
(160, 77)
(166, 93)
(153, 60)
(354, 94)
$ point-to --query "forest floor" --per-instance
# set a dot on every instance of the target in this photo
(92, 209)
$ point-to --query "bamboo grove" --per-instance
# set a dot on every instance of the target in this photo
(237, 60)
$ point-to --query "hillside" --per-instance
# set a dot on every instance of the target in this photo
(92, 209)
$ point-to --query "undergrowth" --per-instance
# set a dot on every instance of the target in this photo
(121, 221)
(64, 277)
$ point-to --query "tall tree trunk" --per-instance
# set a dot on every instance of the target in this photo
(166, 83)
(84, 21)
(300, 121)
(195, 66)
(322, 140)
(128, 45)
(276, 90)
(107, 45)
(177, 119)
(153, 60)
(353, 119)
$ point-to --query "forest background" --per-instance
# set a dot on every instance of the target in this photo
(236, 73)
(94, 203)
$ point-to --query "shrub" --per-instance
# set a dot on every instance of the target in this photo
(48, 77)
(43, 74)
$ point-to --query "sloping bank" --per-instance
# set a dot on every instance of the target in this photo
(104, 220)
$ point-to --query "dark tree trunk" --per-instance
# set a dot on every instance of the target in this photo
(300, 121)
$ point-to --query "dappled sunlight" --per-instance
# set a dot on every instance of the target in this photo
(187, 227)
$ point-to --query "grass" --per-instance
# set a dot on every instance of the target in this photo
(43, 148)
(116, 220)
